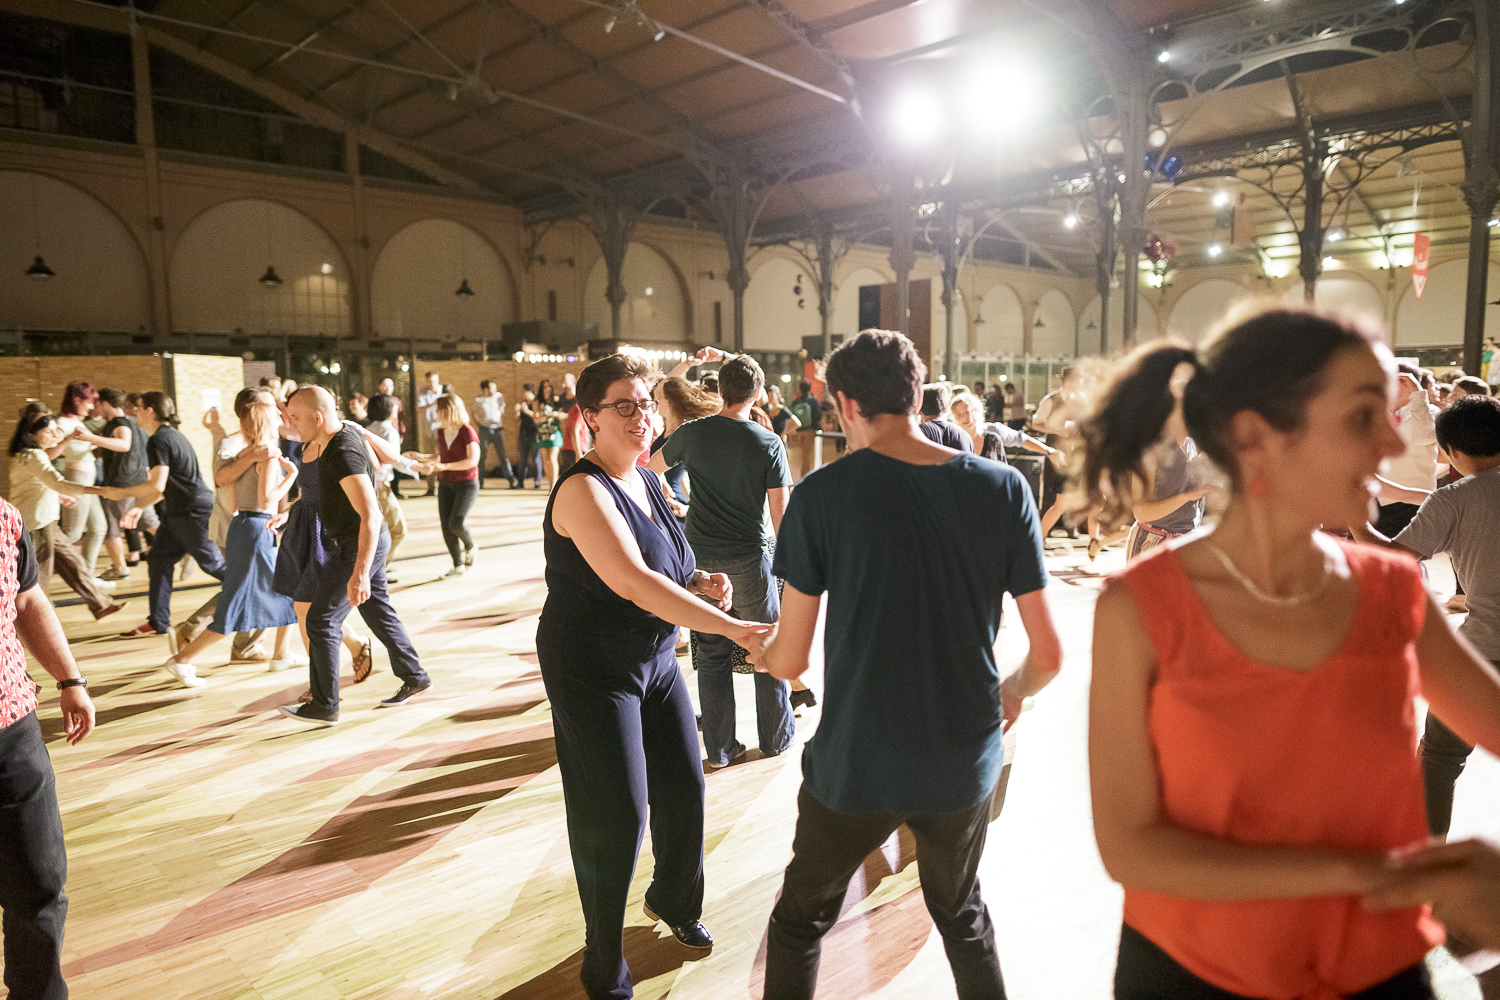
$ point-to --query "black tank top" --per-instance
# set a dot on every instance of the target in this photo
(577, 599)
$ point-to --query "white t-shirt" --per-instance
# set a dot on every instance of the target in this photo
(1417, 467)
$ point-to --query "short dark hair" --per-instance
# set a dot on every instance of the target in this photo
(1471, 425)
(244, 398)
(880, 370)
(486, 383)
(1473, 385)
(709, 382)
(381, 407)
(429, 375)
(1422, 375)
(935, 399)
(116, 397)
(596, 379)
(804, 386)
(161, 404)
(740, 378)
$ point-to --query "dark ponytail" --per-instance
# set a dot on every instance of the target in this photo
(1267, 359)
(161, 404)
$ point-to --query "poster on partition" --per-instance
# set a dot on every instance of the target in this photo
(1420, 245)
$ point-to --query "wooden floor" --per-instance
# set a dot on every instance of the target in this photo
(217, 850)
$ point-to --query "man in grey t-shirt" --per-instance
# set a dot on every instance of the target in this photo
(1460, 520)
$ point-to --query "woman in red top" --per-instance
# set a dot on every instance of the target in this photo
(1252, 729)
(457, 466)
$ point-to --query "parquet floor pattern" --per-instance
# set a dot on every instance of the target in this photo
(218, 851)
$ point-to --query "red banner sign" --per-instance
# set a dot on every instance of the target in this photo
(1420, 245)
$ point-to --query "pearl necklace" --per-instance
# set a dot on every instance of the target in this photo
(1290, 601)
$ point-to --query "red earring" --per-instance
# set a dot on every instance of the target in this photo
(1258, 486)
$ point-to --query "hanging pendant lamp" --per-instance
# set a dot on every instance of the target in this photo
(39, 271)
(464, 289)
(270, 279)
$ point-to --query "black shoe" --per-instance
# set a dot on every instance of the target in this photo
(734, 755)
(518, 486)
(309, 714)
(406, 694)
(690, 935)
(804, 698)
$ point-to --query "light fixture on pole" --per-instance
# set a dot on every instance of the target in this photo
(38, 271)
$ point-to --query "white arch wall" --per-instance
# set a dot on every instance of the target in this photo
(654, 307)
(1438, 319)
(413, 289)
(217, 263)
(1203, 305)
(781, 306)
(1054, 338)
(1345, 291)
(1004, 328)
(846, 299)
(1148, 326)
(101, 281)
(940, 319)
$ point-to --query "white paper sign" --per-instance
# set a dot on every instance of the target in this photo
(210, 399)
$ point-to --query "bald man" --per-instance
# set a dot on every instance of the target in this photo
(355, 577)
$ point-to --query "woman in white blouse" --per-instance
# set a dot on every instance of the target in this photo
(39, 492)
(75, 460)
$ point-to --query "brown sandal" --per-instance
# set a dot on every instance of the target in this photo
(364, 662)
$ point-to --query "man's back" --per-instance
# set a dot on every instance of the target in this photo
(732, 464)
(1460, 520)
(916, 560)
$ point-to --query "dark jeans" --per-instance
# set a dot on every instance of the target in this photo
(33, 865)
(455, 500)
(755, 600)
(1394, 517)
(827, 849)
(1444, 754)
(1145, 972)
(528, 459)
(627, 748)
(178, 537)
(489, 436)
(325, 623)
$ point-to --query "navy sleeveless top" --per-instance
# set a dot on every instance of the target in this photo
(577, 599)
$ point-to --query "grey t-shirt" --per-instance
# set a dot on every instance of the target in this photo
(1460, 520)
(733, 463)
(1174, 475)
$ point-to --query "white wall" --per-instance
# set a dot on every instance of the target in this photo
(1344, 291)
(417, 274)
(1003, 329)
(1148, 327)
(1438, 319)
(1054, 338)
(940, 319)
(781, 305)
(654, 308)
(217, 263)
(1202, 306)
(101, 281)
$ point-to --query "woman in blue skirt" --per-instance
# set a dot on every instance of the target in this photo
(247, 600)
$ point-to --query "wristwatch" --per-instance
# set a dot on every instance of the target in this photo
(73, 682)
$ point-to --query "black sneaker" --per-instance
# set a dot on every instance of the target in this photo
(804, 698)
(406, 694)
(690, 935)
(310, 714)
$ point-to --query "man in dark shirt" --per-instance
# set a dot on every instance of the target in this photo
(123, 449)
(915, 545)
(809, 413)
(183, 505)
(935, 423)
(738, 470)
(34, 864)
(355, 576)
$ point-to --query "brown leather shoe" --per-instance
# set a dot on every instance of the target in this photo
(107, 611)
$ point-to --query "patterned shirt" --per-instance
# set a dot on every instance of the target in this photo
(17, 566)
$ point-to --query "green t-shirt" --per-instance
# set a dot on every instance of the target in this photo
(731, 464)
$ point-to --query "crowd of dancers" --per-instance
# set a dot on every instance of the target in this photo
(1259, 786)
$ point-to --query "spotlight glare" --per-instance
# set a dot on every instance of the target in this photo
(1163, 56)
(1070, 220)
(1335, 235)
(1221, 198)
(1157, 137)
(1215, 249)
(786, 378)
(1002, 94)
(916, 117)
(327, 268)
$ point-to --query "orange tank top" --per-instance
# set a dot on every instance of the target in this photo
(1257, 754)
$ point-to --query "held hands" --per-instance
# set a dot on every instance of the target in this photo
(132, 517)
(261, 452)
(115, 493)
(67, 501)
(708, 355)
(717, 588)
(77, 713)
(358, 590)
(1461, 881)
(753, 637)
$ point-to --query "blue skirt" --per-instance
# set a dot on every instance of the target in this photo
(247, 601)
(305, 553)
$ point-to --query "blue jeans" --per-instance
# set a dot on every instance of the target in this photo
(755, 600)
(529, 459)
(33, 866)
(177, 537)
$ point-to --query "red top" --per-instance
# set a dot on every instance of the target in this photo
(17, 690)
(457, 451)
(1257, 754)
(571, 420)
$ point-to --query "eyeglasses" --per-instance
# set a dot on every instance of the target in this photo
(627, 407)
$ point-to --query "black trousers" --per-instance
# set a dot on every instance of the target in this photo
(325, 623)
(826, 850)
(455, 500)
(33, 865)
(627, 748)
(1444, 754)
(178, 537)
(1145, 972)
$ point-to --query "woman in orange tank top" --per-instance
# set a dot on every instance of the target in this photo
(1252, 730)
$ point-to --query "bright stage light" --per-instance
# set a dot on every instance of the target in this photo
(1215, 249)
(1157, 137)
(1163, 56)
(917, 117)
(1003, 94)
(1335, 235)
(1221, 199)
(1070, 220)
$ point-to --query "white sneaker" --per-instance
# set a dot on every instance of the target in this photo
(186, 673)
(282, 664)
(454, 573)
(104, 584)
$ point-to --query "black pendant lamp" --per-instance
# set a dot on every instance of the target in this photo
(464, 289)
(270, 279)
(39, 271)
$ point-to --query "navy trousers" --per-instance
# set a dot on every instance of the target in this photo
(177, 537)
(627, 747)
(325, 623)
(33, 865)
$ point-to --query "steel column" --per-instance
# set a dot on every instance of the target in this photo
(1481, 179)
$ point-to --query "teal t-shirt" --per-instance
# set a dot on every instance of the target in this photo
(730, 464)
(915, 560)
